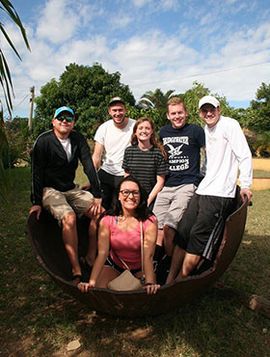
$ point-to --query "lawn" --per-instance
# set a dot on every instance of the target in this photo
(38, 319)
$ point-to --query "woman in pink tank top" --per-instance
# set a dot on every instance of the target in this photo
(119, 239)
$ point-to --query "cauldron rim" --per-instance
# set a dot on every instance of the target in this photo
(182, 290)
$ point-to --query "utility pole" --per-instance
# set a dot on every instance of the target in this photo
(32, 93)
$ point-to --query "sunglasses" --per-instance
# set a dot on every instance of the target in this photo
(67, 118)
(134, 193)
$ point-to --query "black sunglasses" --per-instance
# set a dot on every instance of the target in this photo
(68, 118)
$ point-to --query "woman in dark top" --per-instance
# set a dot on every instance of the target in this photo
(145, 159)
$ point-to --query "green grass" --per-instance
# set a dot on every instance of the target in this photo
(38, 319)
(261, 173)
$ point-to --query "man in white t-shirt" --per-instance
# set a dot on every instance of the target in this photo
(111, 140)
(227, 152)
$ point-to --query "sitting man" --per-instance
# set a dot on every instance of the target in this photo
(55, 158)
(226, 152)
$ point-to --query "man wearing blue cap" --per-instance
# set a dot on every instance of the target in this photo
(55, 159)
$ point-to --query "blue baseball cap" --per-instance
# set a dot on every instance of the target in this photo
(63, 109)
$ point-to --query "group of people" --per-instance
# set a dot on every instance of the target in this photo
(147, 199)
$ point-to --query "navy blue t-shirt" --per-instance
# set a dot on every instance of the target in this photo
(183, 148)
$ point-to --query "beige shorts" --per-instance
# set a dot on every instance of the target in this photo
(60, 203)
(171, 203)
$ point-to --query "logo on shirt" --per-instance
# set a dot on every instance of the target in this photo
(174, 151)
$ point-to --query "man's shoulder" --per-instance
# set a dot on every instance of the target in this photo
(165, 129)
(130, 123)
(44, 136)
(194, 127)
(76, 134)
(102, 129)
(228, 122)
(106, 123)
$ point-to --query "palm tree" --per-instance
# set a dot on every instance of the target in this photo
(5, 76)
(6, 82)
(158, 98)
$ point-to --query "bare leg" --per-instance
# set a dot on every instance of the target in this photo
(190, 262)
(92, 242)
(107, 274)
(160, 237)
(92, 237)
(177, 260)
(169, 234)
(70, 238)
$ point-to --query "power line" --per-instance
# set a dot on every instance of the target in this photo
(21, 101)
(16, 106)
(208, 73)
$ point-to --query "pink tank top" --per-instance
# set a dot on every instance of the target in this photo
(125, 244)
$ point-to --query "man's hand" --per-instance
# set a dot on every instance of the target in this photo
(246, 192)
(96, 208)
(37, 209)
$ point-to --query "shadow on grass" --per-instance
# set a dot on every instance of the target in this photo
(40, 319)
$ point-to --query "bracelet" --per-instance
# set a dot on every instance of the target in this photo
(146, 284)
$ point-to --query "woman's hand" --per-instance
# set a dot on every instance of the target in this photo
(151, 288)
(85, 287)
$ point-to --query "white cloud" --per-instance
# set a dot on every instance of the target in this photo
(141, 3)
(122, 20)
(229, 62)
(58, 21)
(169, 4)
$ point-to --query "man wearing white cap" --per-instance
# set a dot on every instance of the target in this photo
(55, 158)
(111, 140)
(227, 152)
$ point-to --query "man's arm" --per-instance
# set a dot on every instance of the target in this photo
(97, 155)
(89, 168)
(37, 162)
(242, 152)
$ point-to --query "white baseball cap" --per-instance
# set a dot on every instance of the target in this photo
(209, 99)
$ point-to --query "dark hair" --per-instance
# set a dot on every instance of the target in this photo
(142, 211)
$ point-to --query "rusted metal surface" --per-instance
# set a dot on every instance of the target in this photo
(45, 236)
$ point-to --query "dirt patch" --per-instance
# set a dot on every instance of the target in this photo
(261, 184)
(261, 164)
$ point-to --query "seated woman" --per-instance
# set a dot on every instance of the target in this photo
(145, 159)
(119, 239)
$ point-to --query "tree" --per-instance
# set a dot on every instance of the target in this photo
(6, 84)
(87, 90)
(158, 98)
(159, 108)
(5, 75)
(261, 108)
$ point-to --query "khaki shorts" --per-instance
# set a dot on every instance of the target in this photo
(60, 203)
(171, 203)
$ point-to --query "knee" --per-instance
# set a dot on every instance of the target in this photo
(69, 220)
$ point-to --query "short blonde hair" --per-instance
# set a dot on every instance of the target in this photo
(176, 101)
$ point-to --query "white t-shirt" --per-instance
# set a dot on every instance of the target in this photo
(115, 141)
(66, 146)
(226, 151)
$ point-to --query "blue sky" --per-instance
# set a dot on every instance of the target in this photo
(166, 44)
